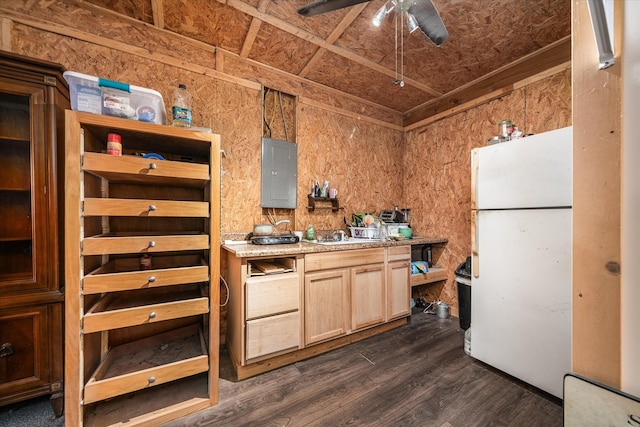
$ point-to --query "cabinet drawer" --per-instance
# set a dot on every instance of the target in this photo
(144, 208)
(23, 333)
(127, 244)
(341, 259)
(398, 253)
(272, 334)
(142, 307)
(146, 363)
(274, 294)
(111, 282)
(136, 169)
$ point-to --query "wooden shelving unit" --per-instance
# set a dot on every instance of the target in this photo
(141, 344)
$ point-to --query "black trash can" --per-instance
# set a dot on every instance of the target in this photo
(463, 280)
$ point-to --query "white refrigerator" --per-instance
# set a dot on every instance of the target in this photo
(521, 257)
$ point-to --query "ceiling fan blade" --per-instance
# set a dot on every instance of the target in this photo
(429, 21)
(323, 6)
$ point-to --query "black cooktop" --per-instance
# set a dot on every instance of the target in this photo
(274, 240)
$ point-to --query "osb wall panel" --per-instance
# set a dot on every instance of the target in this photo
(437, 175)
(548, 103)
(275, 80)
(109, 26)
(361, 160)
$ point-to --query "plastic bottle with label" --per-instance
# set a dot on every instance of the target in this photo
(181, 107)
(311, 232)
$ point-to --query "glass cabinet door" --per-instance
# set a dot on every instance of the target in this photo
(22, 189)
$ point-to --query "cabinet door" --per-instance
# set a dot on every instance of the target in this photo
(367, 296)
(23, 197)
(24, 346)
(326, 305)
(398, 289)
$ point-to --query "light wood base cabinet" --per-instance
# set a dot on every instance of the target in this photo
(265, 305)
(398, 281)
(312, 303)
(348, 286)
(326, 305)
(142, 250)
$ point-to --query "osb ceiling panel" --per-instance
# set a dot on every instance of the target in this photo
(320, 25)
(367, 83)
(138, 9)
(207, 21)
(275, 48)
(343, 50)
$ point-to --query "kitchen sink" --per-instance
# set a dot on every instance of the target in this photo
(343, 242)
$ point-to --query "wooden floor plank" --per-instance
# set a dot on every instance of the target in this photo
(416, 375)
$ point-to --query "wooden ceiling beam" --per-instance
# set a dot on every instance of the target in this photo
(335, 35)
(250, 38)
(537, 62)
(157, 10)
(348, 19)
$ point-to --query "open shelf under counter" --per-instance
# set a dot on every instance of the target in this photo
(435, 274)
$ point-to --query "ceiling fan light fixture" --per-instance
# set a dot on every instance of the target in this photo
(379, 16)
(412, 23)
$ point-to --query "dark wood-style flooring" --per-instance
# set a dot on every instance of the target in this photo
(417, 375)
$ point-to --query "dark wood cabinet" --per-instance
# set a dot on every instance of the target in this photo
(33, 97)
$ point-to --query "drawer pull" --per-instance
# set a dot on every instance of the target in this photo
(152, 380)
(152, 208)
(152, 244)
(152, 315)
(152, 279)
(6, 350)
(152, 166)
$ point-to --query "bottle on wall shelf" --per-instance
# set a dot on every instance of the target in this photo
(181, 107)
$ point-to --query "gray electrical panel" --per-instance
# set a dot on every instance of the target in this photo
(279, 174)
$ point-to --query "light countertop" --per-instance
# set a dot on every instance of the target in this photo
(247, 250)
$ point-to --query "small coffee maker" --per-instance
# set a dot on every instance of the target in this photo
(406, 213)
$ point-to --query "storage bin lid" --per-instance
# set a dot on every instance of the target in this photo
(464, 269)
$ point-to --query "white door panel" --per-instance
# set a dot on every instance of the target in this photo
(531, 172)
(521, 301)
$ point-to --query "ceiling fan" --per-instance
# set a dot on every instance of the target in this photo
(420, 14)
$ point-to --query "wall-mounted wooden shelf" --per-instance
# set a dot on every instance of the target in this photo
(335, 203)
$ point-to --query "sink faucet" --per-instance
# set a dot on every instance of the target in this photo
(341, 232)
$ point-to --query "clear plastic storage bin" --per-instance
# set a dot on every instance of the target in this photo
(91, 94)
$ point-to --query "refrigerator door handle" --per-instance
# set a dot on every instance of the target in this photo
(474, 176)
(475, 263)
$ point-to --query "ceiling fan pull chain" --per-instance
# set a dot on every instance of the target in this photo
(395, 20)
(401, 51)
